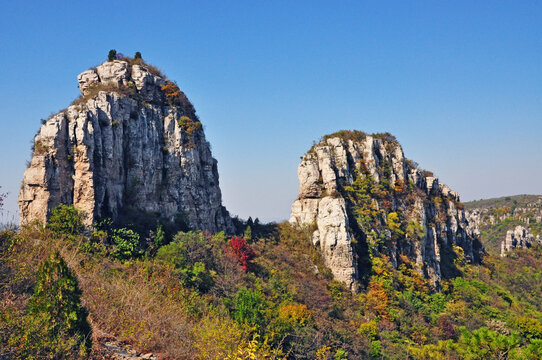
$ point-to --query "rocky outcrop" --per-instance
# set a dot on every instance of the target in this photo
(364, 198)
(497, 219)
(519, 238)
(133, 141)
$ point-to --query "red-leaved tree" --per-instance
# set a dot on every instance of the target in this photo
(242, 252)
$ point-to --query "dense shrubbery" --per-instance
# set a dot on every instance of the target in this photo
(126, 244)
(207, 296)
(66, 220)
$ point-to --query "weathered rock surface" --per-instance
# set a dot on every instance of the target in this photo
(519, 238)
(350, 183)
(124, 144)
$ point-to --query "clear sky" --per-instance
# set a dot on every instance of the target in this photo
(459, 83)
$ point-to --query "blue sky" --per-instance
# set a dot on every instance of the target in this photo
(459, 83)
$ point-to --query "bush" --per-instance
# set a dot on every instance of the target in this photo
(137, 55)
(66, 219)
(248, 308)
(55, 325)
(187, 254)
(176, 97)
(172, 92)
(242, 252)
(126, 243)
(159, 237)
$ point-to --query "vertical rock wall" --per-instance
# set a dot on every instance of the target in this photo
(124, 144)
(350, 183)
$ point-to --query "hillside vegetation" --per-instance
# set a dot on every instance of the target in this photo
(266, 295)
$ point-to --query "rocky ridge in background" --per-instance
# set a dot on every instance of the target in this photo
(507, 223)
(131, 142)
(519, 238)
(364, 198)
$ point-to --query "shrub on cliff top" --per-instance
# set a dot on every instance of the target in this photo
(112, 55)
(172, 92)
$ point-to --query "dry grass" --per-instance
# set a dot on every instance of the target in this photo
(95, 89)
(141, 302)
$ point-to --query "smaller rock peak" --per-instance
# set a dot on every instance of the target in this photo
(353, 185)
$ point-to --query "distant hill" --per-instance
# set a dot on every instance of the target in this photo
(511, 201)
(495, 217)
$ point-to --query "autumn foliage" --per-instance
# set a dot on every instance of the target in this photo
(242, 252)
(172, 92)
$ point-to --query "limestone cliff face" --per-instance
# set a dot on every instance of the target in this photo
(519, 238)
(364, 198)
(132, 139)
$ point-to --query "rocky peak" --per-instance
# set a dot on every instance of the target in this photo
(518, 238)
(131, 143)
(364, 198)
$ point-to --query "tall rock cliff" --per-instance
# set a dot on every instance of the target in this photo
(364, 198)
(131, 141)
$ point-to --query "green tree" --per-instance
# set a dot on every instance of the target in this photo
(415, 231)
(187, 254)
(137, 55)
(126, 244)
(66, 219)
(248, 307)
(486, 344)
(159, 237)
(112, 55)
(248, 234)
(55, 325)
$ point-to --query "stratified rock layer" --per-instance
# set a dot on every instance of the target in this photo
(125, 144)
(354, 188)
